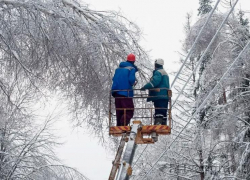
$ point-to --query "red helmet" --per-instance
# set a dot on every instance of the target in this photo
(131, 57)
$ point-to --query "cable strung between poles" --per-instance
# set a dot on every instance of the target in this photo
(189, 54)
(140, 155)
(209, 45)
(199, 108)
(196, 40)
(197, 67)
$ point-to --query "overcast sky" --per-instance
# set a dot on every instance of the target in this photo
(162, 24)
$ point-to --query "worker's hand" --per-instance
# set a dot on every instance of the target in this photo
(142, 89)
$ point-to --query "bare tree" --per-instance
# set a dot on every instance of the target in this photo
(56, 47)
(62, 45)
(26, 144)
(215, 145)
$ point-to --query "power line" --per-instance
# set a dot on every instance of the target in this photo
(140, 155)
(190, 52)
(190, 78)
(201, 106)
(204, 53)
(196, 40)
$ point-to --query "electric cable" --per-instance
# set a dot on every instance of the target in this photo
(205, 52)
(200, 107)
(196, 40)
(191, 50)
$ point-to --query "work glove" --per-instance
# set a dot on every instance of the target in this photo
(143, 88)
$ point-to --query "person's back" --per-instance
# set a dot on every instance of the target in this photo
(122, 90)
(160, 79)
(124, 79)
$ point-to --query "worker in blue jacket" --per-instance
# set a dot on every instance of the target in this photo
(158, 90)
(122, 89)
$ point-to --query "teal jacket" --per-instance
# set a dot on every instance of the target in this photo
(159, 79)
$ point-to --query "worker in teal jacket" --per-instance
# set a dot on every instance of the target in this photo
(158, 90)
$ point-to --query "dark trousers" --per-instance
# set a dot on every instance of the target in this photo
(161, 103)
(123, 117)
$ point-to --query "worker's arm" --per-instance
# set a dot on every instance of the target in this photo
(131, 77)
(155, 81)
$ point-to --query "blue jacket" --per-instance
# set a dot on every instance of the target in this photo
(124, 79)
(159, 79)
